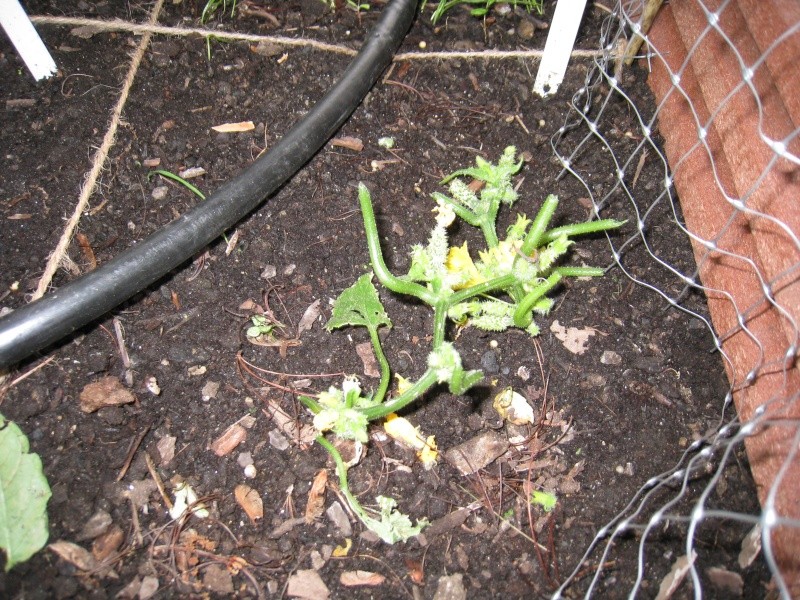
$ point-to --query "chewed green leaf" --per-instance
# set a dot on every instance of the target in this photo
(359, 305)
(24, 493)
(393, 526)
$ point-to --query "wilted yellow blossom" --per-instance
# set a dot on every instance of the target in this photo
(401, 429)
(402, 384)
(513, 407)
(460, 265)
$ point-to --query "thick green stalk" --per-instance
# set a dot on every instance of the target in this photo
(382, 272)
(579, 271)
(522, 315)
(311, 404)
(341, 471)
(380, 393)
(489, 232)
(534, 238)
(580, 229)
(498, 283)
(422, 385)
(440, 321)
(442, 306)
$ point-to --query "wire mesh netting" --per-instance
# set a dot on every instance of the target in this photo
(722, 127)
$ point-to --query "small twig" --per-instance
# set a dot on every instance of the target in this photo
(137, 529)
(131, 452)
(159, 484)
(123, 352)
(639, 168)
(5, 387)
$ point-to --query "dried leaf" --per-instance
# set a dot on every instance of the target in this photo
(447, 523)
(316, 497)
(367, 356)
(675, 577)
(209, 390)
(575, 340)
(306, 583)
(96, 526)
(217, 579)
(250, 501)
(308, 318)
(234, 127)
(74, 554)
(86, 31)
(477, 452)
(751, 547)
(726, 581)
(148, 588)
(351, 143)
(415, 571)
(107, 391)
(232, 241)
(108, 543)
(302, 434)
(86, 249)
(166, 449)
(230, 438)
(359, 578)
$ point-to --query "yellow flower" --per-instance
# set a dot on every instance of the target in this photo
(459, 264)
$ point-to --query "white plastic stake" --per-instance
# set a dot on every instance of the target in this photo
(557, 49)
(26, 40)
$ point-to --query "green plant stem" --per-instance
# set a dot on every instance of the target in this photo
(488, 229)
(180, 180)
(422, 385)
(311, 404)
(522, 315)
(580, 229)
(534, 237)
(341, 471)
(442, 305)
(383, 386)
(382, 272)
(498, 283)
(579, 271)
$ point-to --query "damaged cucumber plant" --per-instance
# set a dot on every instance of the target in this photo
(505, 287)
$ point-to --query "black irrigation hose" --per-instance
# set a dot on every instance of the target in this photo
(44, 322)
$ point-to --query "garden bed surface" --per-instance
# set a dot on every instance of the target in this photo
(608, 419)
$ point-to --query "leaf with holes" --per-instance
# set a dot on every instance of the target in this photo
(359, 305)
(24, 493)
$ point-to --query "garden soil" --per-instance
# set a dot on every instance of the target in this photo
(610, 414)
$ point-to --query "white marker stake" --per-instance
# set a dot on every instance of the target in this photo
(26, 40)
(558, 47)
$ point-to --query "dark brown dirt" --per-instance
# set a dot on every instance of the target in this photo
(630, 419)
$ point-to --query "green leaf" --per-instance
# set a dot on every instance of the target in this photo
(544, 499)
(24, 493)
(394, 526)
(359, 305)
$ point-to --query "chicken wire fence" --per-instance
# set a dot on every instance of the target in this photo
(722, 130)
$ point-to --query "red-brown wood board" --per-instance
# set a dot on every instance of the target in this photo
(753, 245)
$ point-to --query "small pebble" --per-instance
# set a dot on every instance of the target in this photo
(489, 362)
(245, 459)
(250, 471)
